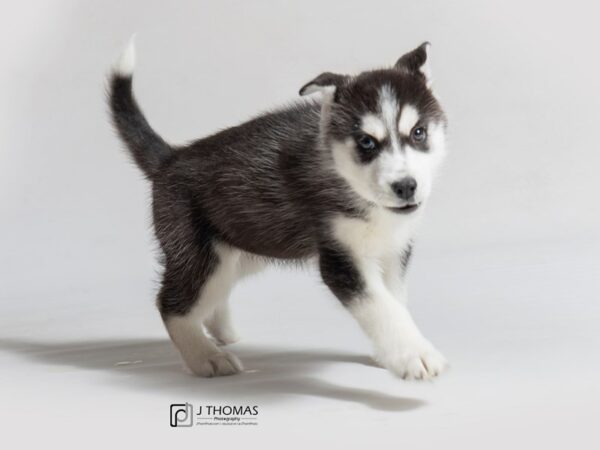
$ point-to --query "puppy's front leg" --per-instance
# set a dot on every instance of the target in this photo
(394, 268)
(399, 345)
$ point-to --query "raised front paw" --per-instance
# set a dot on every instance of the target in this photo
(414, 361)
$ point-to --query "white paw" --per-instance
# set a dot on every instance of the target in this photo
(216, 365)
(417, 361)
(225, 337)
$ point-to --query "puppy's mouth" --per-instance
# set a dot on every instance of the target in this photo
(406, 209)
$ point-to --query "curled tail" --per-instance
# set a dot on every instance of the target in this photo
(148, 149)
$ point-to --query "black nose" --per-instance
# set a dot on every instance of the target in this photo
(405, 188)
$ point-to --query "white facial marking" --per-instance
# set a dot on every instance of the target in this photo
(358, 176)
(373, 179)
(372, 125)
(392, 167)
(391, 164)
(388, 106)
(408, 119)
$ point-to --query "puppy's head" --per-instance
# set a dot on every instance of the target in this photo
(385, 129)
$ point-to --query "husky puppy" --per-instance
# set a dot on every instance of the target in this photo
(343, 177)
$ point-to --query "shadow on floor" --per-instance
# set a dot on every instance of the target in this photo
(273, 374)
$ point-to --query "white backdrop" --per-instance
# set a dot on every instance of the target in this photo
(517, 198)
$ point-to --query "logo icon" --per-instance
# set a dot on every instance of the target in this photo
(182, 415)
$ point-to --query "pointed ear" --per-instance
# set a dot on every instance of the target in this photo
(417, 62)
(326, 82)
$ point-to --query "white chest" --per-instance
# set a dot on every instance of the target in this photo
(382, 234)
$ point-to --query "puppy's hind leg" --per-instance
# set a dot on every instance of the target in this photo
(192, 289)
(219, 324)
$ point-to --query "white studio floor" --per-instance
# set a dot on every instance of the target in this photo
(519, 325)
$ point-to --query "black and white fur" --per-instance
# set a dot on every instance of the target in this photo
(343, 178)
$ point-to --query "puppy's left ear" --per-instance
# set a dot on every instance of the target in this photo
(417, 62)
(327, 82)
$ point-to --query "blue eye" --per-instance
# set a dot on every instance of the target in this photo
(419, 134)
(366, 142)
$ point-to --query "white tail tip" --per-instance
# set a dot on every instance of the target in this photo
(126, 62)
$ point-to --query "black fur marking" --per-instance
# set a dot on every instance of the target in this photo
(340, 273)
(187, 241)
(413, 61)
(422, 146)
(148, 149)
(405, 257)
(365, 156)
(361, 96)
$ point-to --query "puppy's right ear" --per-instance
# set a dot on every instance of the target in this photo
(327, 82)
